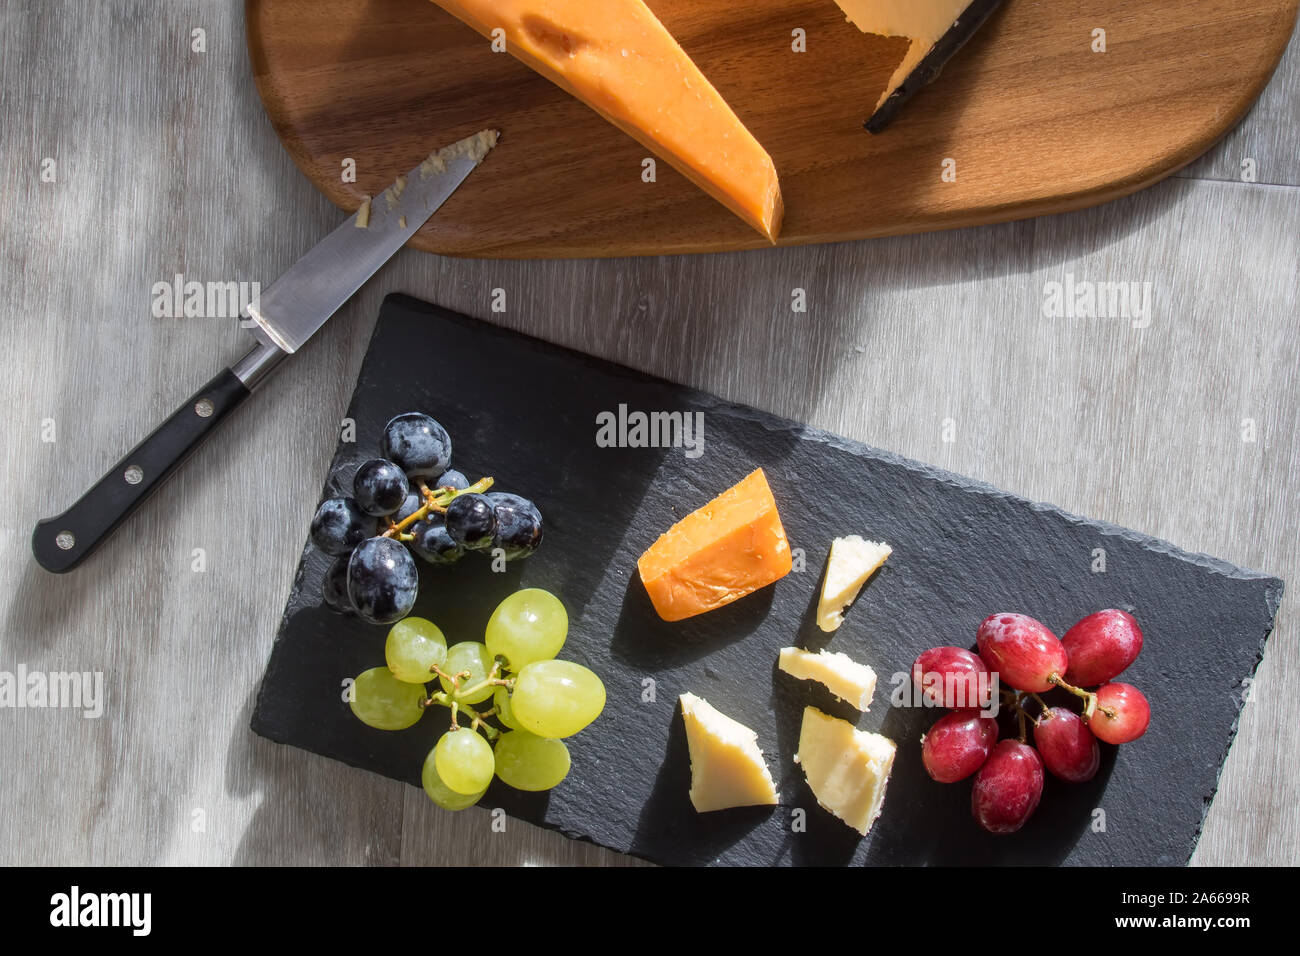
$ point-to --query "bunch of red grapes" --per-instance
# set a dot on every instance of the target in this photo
(1026, 656)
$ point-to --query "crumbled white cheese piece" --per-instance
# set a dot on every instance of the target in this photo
(474, 147)
(847, 769)
(852, 561)
(844, 677)
(727, 766)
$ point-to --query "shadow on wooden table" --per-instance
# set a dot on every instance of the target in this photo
(313, 810)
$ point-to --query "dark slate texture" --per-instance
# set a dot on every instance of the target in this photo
(525, 412)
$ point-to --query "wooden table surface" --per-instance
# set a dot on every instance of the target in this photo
(164, 163)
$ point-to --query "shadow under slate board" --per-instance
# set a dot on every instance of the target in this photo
(525, 412)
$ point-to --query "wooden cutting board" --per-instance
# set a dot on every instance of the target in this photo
(1032, 118)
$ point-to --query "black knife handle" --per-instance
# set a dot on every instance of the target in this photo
(61, 543)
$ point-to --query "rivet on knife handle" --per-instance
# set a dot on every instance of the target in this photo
(61, 543)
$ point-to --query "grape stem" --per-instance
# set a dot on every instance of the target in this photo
(453, 679)
(486, 682)
(1016, 701)
(435, 500)
(478, 722)
(1090, 706)
(455, 699)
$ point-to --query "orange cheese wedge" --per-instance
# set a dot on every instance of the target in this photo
(616, 57)
(731, 547)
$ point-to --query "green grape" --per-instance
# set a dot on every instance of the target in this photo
(556, 698)
(530, 625)
(414, 645)
(464, 761)
(381, 701)
(501, 700)
(529, 762)
(440, 793)
(473, 657)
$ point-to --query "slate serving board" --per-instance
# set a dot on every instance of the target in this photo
(525, 412)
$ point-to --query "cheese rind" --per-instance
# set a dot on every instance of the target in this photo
(937, 30)
(847, 769)
(721, 552)
(727, 766)
(844, 677)
(851, 562)
(617, 57)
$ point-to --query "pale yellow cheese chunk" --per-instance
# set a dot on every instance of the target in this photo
(847, 769)
(924, 22)
(852, 561)
(846, 678)
(727, 766)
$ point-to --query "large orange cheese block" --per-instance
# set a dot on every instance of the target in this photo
(617, 57)
(731, 547)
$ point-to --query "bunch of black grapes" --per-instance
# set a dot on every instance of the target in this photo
(411, 500)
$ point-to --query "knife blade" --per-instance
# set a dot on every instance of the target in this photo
(283, 318)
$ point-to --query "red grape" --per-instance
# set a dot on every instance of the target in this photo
(1066, 744)
(1132, 713)
(1007, 788)
(1101, 646)
(950, 677)
(1023, 651)
(957, 745)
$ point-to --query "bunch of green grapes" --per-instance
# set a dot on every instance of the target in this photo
(536, 699)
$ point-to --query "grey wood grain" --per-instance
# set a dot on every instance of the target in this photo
(1268, 139)
(166, 164)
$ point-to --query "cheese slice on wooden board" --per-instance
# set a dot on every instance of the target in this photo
(851, 562)
(727, 766)
(727, 549)
(937, 29)
(847, 769)
(845, 678)
(617, 57)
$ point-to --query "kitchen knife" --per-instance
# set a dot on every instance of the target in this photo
(284, 317)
